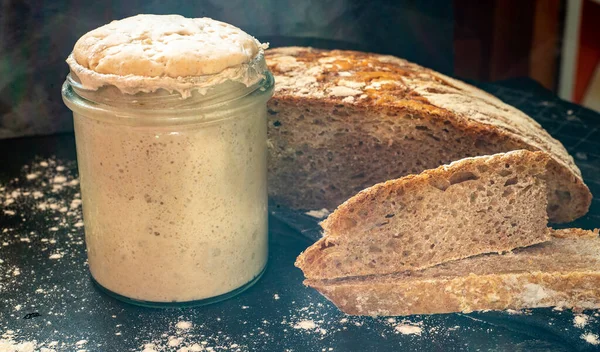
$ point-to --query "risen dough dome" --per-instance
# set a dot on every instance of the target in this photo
(147, 52)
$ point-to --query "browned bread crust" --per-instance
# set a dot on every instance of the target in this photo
(563, 272)
(472, 206)
(341, 121)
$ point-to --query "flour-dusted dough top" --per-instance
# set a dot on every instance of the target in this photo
(148, 52)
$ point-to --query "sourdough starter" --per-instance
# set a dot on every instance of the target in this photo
(174, 214)
(175, 209)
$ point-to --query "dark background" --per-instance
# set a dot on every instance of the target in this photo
(481, 41)
(36, 36)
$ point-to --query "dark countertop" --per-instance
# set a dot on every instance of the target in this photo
(46, 293)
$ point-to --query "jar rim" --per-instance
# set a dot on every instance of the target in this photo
(163, 105)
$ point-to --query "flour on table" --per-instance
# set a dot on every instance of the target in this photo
(591, 338)
(11, 346)
(184, 325)
(46, 192)
(185, 336)
(580, 320)
(406, 329)
(319, 214)
(305, 325)
(174, 341)
(61, 238)
(514, 312)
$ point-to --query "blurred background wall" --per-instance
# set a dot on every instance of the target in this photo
(479, 40)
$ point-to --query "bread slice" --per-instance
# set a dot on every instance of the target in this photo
(563, 272)
(341, 121)
(472, 206)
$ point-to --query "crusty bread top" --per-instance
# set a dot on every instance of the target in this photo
(366, 79)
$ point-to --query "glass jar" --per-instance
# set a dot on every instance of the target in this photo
(174, 190)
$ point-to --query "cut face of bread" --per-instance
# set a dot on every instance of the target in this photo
(562, 272)
(341, 121)
(472, 206)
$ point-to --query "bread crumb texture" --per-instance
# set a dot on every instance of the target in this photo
(476, 205)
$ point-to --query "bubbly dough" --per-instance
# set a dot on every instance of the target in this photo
(176, 213)
(146, 52)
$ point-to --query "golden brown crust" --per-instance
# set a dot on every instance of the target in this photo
(562, 272)
(389, 85)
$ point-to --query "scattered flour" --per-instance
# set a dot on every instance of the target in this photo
(406, 329)
(46, 192)
(305, 325)
(184, 339)
(59, 179)
(174, 341)
(591, 338)
(319, 214)
(184, 325)
(8, 345)
(514, 312)
(38, 194)
(580, 320)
